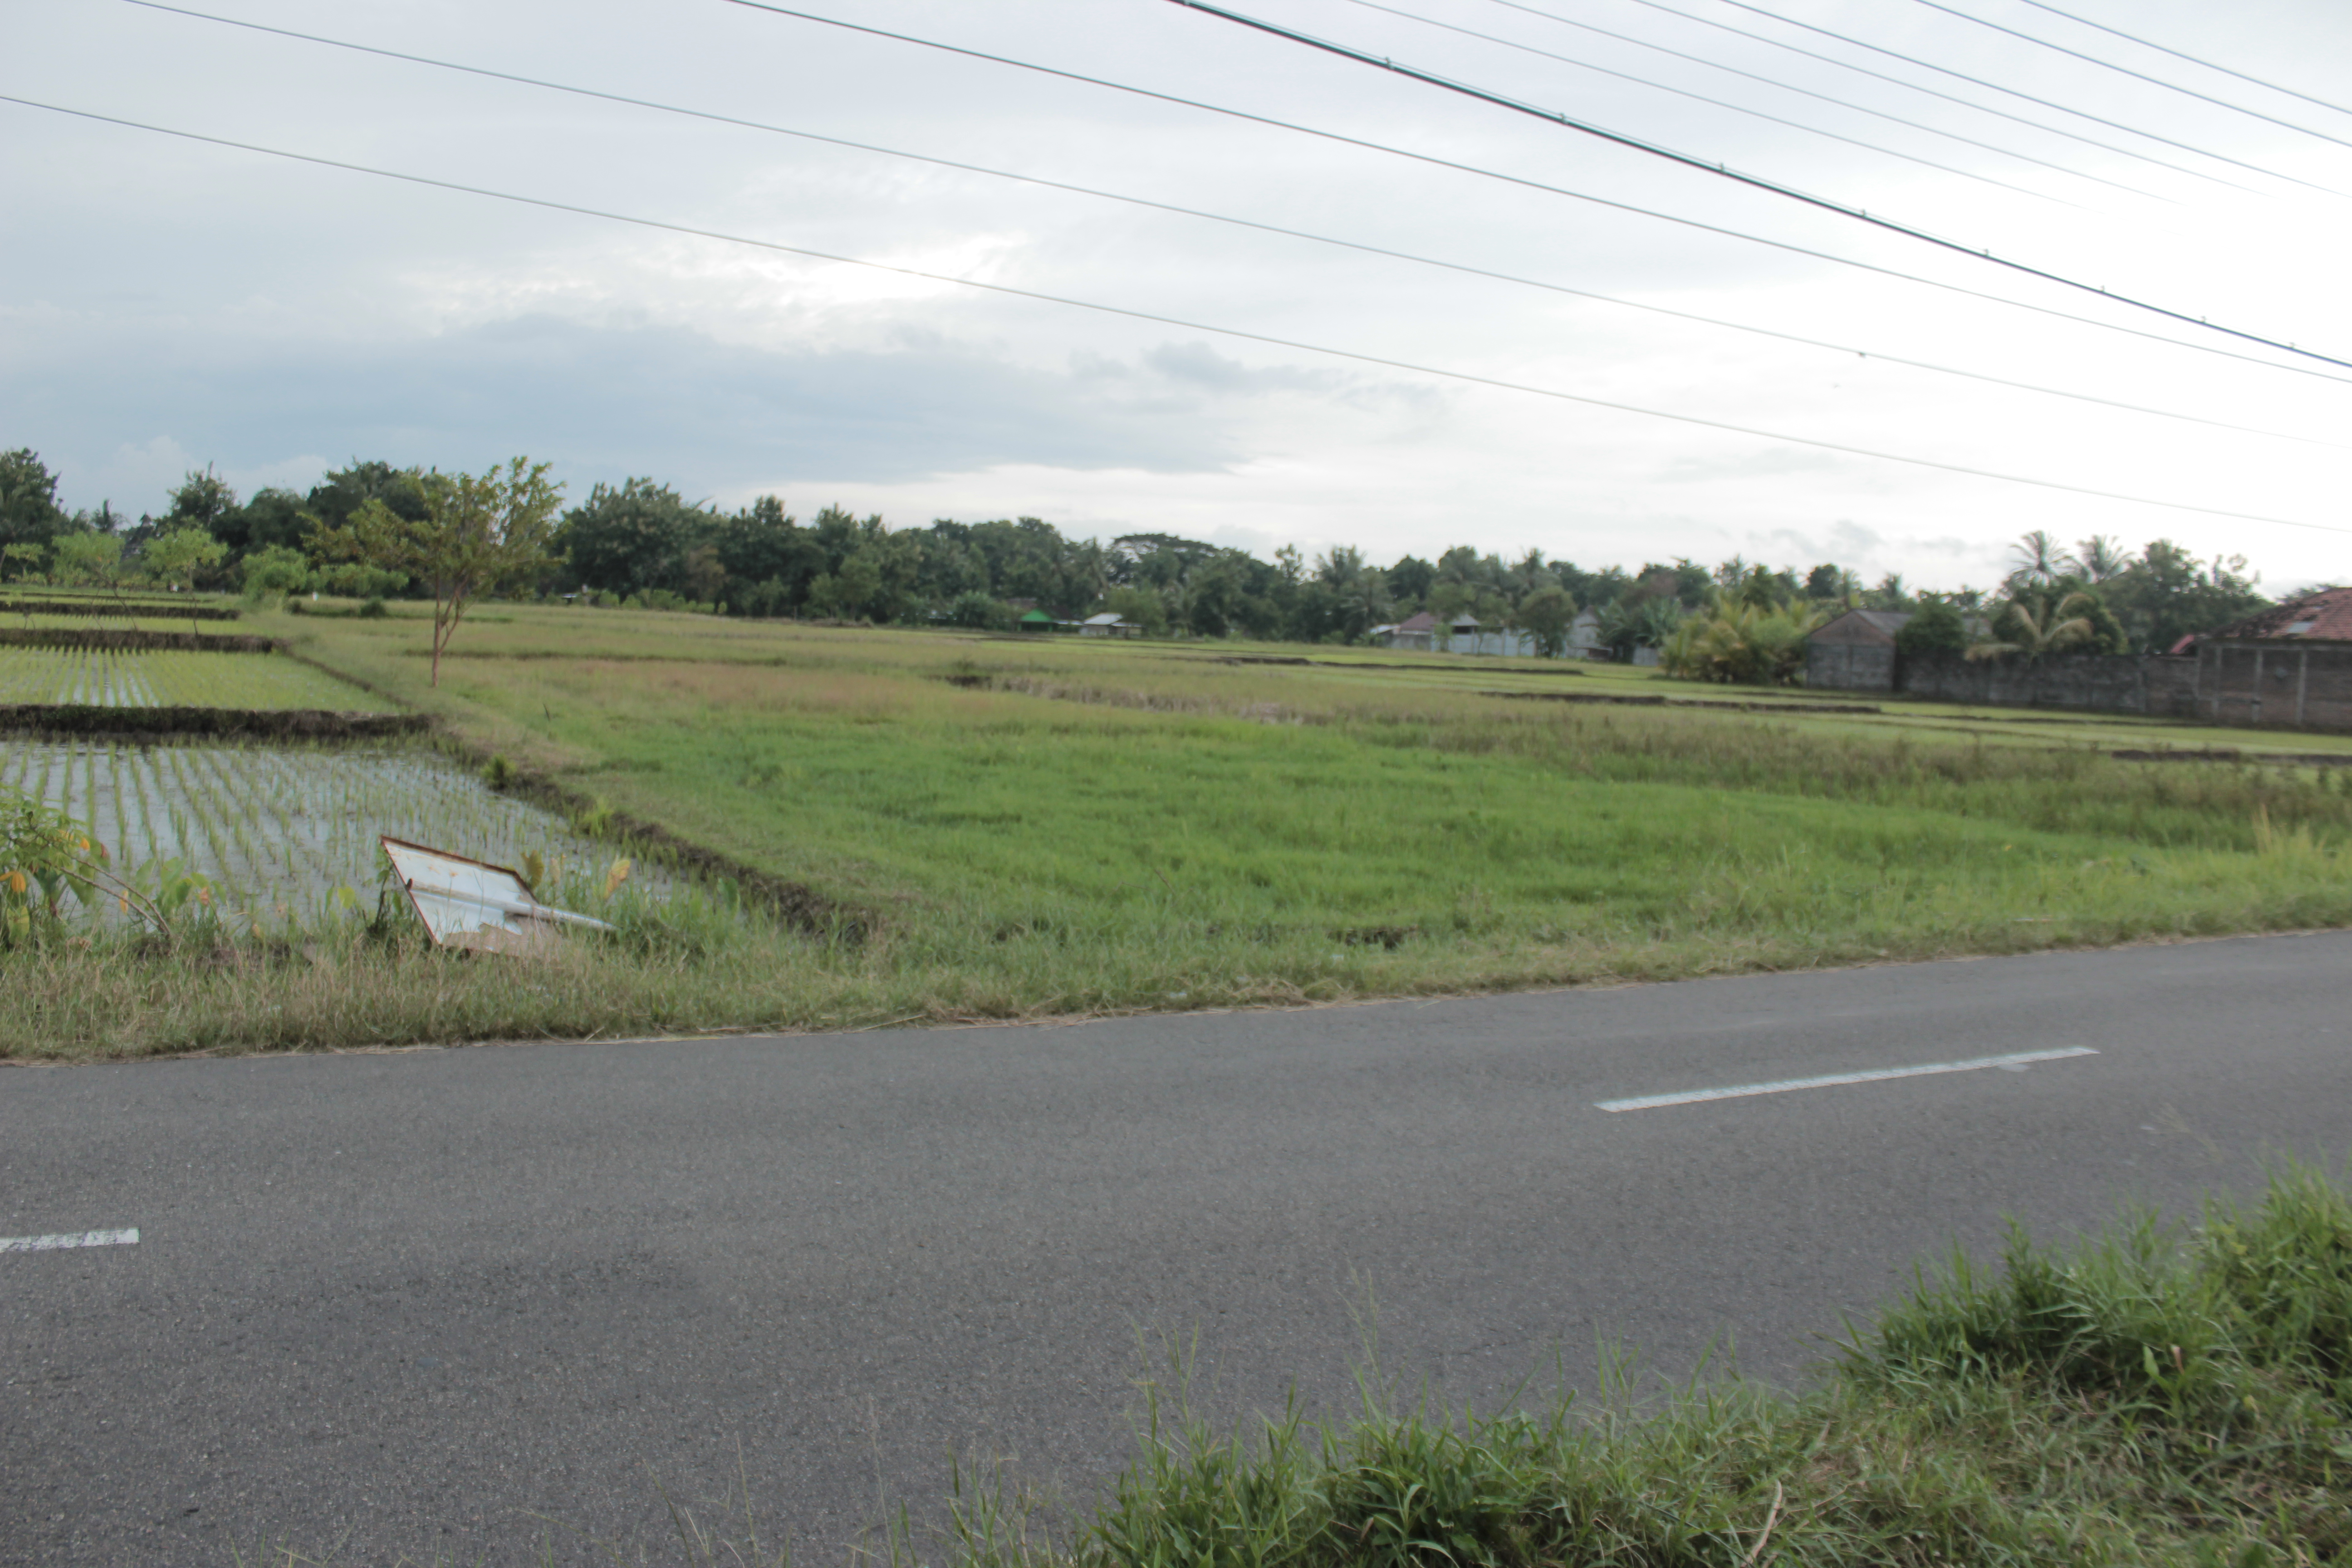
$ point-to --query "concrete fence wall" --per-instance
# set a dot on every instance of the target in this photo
(1849, 666)
(2110, 683)
(2275, 685)
(2268, 684)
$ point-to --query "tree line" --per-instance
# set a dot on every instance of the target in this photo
(643, 543)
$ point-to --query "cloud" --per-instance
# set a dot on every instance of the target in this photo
(604, 401)
(1198, 365)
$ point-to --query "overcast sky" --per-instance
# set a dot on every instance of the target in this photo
(165, 304)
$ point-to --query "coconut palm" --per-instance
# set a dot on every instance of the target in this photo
(2039, 560)
(2043, 628)
(2100, 558)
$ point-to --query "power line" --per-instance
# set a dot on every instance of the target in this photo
(2046, 103)
(2192, 60)
(1251, 224)
(1525, 184)
(1911, 86)
(1720, 103)
(1823, 97)
(2140, 76)
(1157, 319)
(1754, 181)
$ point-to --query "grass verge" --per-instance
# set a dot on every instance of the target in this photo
(2152, 1396)
(2177, 1396)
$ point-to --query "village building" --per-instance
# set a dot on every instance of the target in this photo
(1110, 624)
(2289, 664)
(1855, 652)
(1424, 632)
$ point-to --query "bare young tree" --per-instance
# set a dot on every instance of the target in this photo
(477, 536)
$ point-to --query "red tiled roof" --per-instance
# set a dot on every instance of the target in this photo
(2324, 617)
(1423, 622)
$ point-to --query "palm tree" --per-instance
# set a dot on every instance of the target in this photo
(2046, 630)
(2039, 560)
(1741, 642)
(2101, 558)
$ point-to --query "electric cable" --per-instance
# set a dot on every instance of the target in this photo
(1251, 224)
(1798, 49)
(1807, 92)
(1735, 108)
(2192, 60)
(1755, 182)
(2127, 71)
(2044, 102)
(1525, 184)
(1157, 318)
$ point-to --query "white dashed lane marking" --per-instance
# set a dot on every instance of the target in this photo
(71, 1238)
(2015, 1060)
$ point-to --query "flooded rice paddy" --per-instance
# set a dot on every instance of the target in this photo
(279, 829)
(108, 678)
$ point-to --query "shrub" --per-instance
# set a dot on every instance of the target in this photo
(1937, 628)
(1743, 643)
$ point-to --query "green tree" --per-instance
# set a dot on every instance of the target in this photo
(29, 513)
(272, 518)
(629, 538)
(858, 586)
(979, 611)
(478, 535)
(2168, 593)
(1410, 581)
(177, 555)
(24, 558)
(342, 491)
(1932, 630)
(769, 559)
(1547, 614)
(202, 500)
(89, 558)
(1140, 608)
(273, 570)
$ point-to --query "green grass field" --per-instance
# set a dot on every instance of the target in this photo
(1023, 829)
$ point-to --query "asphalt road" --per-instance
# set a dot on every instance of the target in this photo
(420, 1302)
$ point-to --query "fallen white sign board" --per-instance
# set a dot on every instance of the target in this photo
(469, 903)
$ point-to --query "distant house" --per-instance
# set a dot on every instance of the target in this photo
(1417, 634)
(1108, 625)
(1584, 636)
(1425, 634)
(2291, 664)
(1467, 636)
(1855, 652)
(1036, 620)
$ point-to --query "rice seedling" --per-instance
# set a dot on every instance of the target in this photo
(281, 830)
(110, 678)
